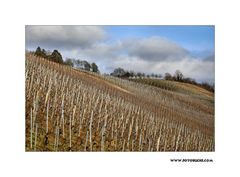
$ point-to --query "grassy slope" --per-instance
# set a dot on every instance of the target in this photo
(172, 116)
(195, 92)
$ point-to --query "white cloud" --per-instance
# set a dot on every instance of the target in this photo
(105, 50)
(63, 37)
(156, 49)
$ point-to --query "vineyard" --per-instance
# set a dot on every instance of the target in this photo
(72, 110)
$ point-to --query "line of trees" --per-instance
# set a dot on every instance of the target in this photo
(178, 76)
(82, 64)
(120, 72)
(56, 56)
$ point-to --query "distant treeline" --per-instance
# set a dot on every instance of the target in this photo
(178, 76)
(120, 72)
(56, 56)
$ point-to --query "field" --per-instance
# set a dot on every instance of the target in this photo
(73, 110)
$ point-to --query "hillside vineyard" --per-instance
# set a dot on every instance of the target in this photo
(73, 110)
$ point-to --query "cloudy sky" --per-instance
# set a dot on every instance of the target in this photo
(149, 49)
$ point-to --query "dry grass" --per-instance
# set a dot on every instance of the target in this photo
(71, 110)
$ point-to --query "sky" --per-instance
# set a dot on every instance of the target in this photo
(148, 49)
